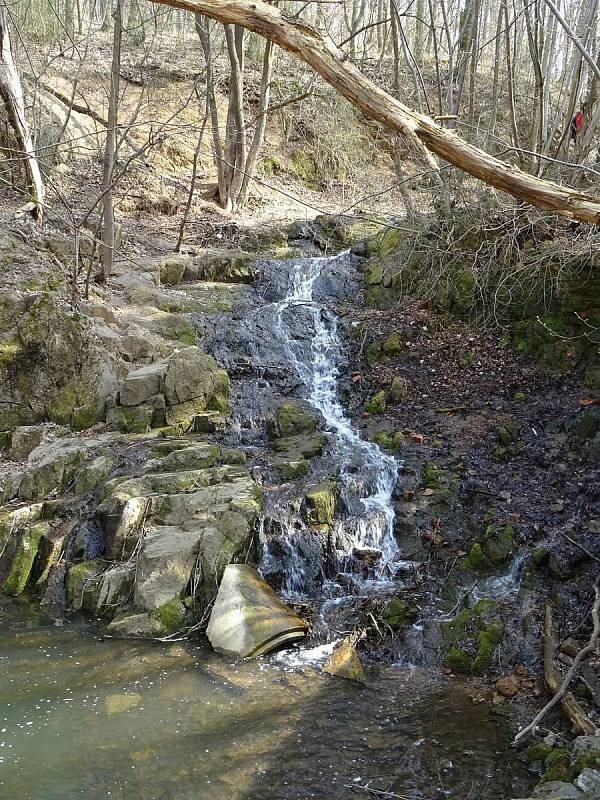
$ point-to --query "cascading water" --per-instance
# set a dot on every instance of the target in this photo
(365, 477)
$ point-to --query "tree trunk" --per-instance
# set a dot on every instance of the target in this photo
(108, 230)
(331, 63)
(12, 97)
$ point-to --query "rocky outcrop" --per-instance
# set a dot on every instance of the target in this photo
(248, 619)
(186, 391)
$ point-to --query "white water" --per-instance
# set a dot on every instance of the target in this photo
(366, 475)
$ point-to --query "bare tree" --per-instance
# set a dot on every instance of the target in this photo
(12, 97)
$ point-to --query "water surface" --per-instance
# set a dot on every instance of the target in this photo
(86, 717)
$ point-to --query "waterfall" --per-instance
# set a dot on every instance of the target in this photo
(366, 476)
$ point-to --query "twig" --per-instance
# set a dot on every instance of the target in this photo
(581, 547)
(573, 671)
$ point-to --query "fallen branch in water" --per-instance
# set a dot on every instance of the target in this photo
(569, 704)
(375, 792)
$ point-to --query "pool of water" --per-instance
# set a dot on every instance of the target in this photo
(82, 716)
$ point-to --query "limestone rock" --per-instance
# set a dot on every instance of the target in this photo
(172, 268)
(193, 375)
(293, 419)
(345, 663)
(248, 619)
(142, 384)
(24, 439)
(164, 566)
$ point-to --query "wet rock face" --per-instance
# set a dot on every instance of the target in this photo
(248, 619)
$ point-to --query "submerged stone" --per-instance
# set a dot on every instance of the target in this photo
(248, 619)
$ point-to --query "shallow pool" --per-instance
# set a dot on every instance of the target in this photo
(85, 717)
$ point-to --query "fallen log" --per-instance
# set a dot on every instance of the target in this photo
(326, 58)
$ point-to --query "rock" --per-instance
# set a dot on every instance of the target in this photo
(396, 613)
(229, 266)
(345, 663)
(293, 419)
(164, 566)
(91, 473)
(556, 790)
(508, 686)
(589, 780)
(393, 344)
(116, 585)
(376, 405)
(398, 390)
(142, 384)
(130, 419)
(586, 745)
(117, 703)
(83, 581)
(24, 439)
(197, 456)
(19, 554)
(135, 625)
(570, 647)
(194, 383)
(320, 504)
(248, 619)
(172, 268)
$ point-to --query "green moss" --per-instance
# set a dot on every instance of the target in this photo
(376, 405)
(293, 420)
(397, 613)
(381, 297)
(509, 432)
(374, 274)
(61, 408)
(9, 352)
(458, 661)
(479, 631)
(393, 344)
(519, 397)
(388, 440)
(304, 167)
(84, 417)
(320, 504)
(538, 752)
(22, 562)
(291, 470)
(171, 615)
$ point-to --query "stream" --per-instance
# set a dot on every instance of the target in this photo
(128, 720)
(88, 716)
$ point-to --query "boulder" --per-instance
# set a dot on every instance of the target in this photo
(172, 267)
(24, 439)
(345, 663)
(164, 566)
(556, 790)
(589, 780)
(248, 619)
(142, 384)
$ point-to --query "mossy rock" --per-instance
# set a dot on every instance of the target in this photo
(474, 634)
(320, 504)
(293, 420)
(558, 766)
(509, 433)
(397, 613)
(374, 274)
(388, 440)
(392, 346)
(292, 470)
(170, 615)
(28, 542)
(382, 298)
(538, 752)
(376, 405)
(492, 552)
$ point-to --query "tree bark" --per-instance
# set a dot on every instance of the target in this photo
(108, 230)
(11, 92)
(331, 63)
